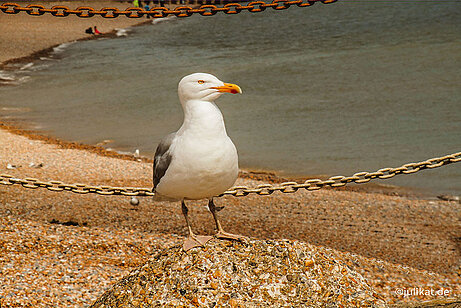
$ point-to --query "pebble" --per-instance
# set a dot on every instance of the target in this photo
(11, 167)
(134, 201)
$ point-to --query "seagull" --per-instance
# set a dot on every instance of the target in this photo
(199, 161)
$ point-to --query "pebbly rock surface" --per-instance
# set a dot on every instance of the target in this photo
(254, 273)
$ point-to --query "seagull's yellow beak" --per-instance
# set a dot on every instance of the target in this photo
(229, 88)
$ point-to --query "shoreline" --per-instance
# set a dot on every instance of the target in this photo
(47, 51)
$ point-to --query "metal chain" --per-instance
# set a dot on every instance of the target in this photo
(156, 12)
(241, 191)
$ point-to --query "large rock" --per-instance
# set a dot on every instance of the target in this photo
(256, 273)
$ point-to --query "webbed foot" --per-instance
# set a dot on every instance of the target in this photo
(195, 241)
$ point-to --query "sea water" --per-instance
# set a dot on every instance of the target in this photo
(327, 90)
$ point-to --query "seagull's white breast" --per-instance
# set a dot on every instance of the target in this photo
(201, 168)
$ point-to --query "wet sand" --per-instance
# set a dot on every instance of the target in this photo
(64, 249)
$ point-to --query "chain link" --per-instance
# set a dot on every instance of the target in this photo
(155, 12)
(241, 191)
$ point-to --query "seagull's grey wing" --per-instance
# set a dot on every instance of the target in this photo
(162, 158)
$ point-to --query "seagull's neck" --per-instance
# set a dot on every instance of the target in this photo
(203, 118)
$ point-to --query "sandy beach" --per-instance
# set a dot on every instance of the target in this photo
(22, 35)
(60, 249)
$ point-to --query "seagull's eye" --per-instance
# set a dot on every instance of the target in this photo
(201, 81)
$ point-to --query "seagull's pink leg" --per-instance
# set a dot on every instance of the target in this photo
(193, 240)
(221, 233)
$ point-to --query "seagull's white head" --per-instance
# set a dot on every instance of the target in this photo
(204, 87)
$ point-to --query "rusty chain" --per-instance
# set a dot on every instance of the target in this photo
(155, 12)
(241, 191)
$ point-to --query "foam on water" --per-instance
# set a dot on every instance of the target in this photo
(161, 20)
(62, 47)
(12, 79)
(122, 31)
(20, 73)
(5, 77)
(14, 109)
(27, 66)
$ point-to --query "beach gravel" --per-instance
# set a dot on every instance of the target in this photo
(53, 265)
(253, 273)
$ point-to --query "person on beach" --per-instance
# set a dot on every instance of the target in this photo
(89, 31)
(147, 8)
(96, 31)
(136, 3)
